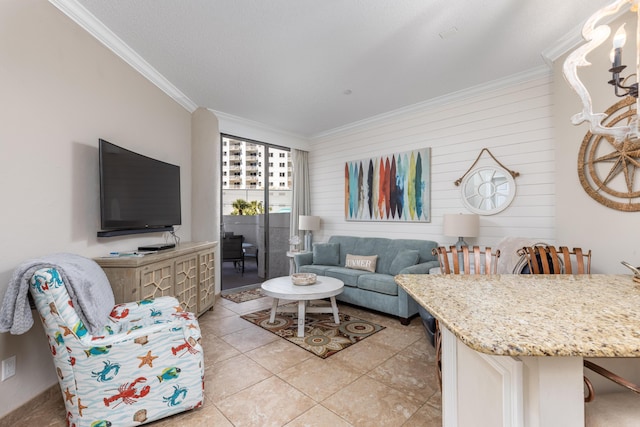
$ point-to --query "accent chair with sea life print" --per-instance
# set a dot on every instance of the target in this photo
(145, 363)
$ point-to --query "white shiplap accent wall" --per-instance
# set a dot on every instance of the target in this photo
(514, 122)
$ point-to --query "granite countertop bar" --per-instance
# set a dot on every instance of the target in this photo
(535, 315)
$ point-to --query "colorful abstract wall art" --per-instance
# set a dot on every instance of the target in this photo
(394, 187)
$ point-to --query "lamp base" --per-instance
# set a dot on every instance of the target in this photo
(459, 245)
(308, 239)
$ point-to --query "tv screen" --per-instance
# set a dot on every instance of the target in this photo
(136, 191)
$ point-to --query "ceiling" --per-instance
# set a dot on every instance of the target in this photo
(310, 66)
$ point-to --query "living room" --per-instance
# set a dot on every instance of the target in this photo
(63, 90)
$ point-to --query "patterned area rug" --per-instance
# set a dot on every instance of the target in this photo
(322, 336)
(244, 296)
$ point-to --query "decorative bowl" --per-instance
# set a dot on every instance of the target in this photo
(303, 279)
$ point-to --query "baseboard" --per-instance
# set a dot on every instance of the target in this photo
(18, 415)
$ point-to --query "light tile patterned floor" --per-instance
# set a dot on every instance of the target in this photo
(255, 379)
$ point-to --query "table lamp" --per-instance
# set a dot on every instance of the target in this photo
(461, 225)
(308, 224)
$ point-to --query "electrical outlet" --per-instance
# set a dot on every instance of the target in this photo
(8, 368)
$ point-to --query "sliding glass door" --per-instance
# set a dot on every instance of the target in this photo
(256, 204)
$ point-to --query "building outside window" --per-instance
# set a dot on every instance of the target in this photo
(240, 163)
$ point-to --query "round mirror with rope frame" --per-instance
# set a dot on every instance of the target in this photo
(488, 190)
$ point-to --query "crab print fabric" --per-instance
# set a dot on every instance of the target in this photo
(147, 363)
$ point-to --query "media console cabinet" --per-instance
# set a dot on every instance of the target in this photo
(186, 272)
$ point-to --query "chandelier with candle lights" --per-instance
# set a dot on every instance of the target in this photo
(595, 35)
(609, 157)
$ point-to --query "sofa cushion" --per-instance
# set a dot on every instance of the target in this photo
(381, 283)
(320, 270)
(362, 246)
(361, 262)
(424, 247)
(326, 253)
(348, 276)
(405, 258)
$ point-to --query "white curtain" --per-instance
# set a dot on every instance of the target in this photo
(301, 201)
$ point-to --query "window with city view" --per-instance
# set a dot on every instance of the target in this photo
(246, 175)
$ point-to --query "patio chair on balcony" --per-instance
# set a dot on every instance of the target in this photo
(232, 251)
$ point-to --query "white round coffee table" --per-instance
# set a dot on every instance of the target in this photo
(282, 288)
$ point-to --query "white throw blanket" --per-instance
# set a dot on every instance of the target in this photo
(84, 280)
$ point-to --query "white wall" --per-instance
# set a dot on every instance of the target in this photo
(61, 91)
(513, 121)
(612, 235)
(205, 173)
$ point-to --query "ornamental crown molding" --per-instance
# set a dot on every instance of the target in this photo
(81, 16)
(571, 40)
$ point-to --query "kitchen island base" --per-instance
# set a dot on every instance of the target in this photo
(524, 391)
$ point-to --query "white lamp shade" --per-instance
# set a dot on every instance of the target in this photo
(307, 222)
(461, 225)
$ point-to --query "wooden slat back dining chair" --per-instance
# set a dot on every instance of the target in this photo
(483, 262)
(549, 260)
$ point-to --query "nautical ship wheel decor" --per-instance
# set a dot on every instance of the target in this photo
(607, 168)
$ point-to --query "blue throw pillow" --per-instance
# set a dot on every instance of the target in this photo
(326, 254)
(405, 258)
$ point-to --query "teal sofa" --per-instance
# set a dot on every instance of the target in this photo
(376, 290)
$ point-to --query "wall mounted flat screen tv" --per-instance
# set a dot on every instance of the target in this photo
(138, 194)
